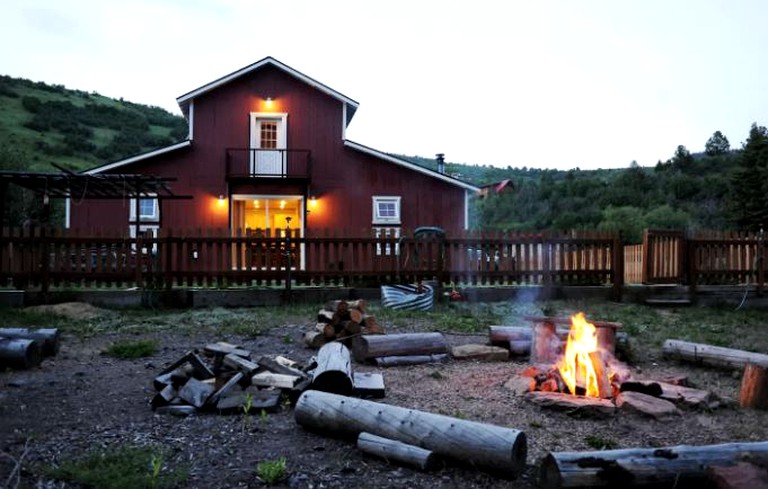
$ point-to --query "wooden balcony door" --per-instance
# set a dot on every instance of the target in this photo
(268, 139)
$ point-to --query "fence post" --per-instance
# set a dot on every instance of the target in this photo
(693, 279)
(45, 260)
(618, 267)
(760, 259)
(287, 251)
(546, 253)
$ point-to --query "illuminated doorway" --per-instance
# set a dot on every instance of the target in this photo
(267, 215)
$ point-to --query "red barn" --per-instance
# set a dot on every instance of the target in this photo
(267, 143)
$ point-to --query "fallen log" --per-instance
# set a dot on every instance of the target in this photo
(20, 353)
(396, 451)
(502, 335)
(638, 467)
(494, 448)
(711, 356)
(368, 347)
(334, 370)
(48, 338)
(410, 360)
(754, 387)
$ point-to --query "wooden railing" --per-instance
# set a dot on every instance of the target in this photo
(44, 258)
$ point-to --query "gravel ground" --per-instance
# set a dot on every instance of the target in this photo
(82, 399)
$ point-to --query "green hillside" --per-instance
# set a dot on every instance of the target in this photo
(42, 124)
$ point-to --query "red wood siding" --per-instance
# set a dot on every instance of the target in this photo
(344, 179)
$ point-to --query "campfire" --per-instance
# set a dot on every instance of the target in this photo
(578, 361)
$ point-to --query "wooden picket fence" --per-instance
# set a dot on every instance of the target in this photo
(46, 258)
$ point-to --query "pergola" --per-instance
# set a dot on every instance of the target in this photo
(79, 186)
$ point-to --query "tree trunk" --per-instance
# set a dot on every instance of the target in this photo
(410, 360)
(494, 448)
(711, 356)
(334, 370)
(48, 337)
(754, 387)
(367, 347)
(393, 450)
(20, 353)
(637, 467)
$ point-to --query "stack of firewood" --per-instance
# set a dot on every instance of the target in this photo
(224, 378)
(342, 320)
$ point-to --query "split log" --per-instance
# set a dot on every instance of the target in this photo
(324, 316)
(20, 353)
(278, 368)
(601, 374)
(371, 325)
(754, 387)
(660, 467)
(577, 405)
(367, 347)
(268, 379)
(546, 347)
(712, 356)
(494, 448)
(335, 305)
(605, 330)
(48, 338)
(334, 370)
(395, 451)
(237, 362)
(410, 360)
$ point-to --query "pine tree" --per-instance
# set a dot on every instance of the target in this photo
(749, 184)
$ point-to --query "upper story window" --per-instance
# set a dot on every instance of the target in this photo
(386, 210)
(268, 135)
(149, 209)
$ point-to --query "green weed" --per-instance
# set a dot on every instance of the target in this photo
(600, 443)
(126, 349)
(272, 471)
(121, 467)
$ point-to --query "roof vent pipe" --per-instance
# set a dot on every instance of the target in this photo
(440, 163)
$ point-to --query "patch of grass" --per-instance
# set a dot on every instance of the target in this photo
(272, 471)
(127, 349)
(600, 443)
(435, 374)
(122, 467)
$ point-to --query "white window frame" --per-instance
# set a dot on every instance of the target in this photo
(155, 228)
(386, 199)
(154, 217)
(386, 233)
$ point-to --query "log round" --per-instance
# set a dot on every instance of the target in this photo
(20, 353)
(396, 451)
(367, 347)
(334, 370)
(48, 337)
(494, 448)
(682, 465)
(546, 347)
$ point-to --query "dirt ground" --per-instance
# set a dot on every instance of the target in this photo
(82, 399)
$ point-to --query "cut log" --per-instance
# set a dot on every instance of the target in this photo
(20, 353)
(335, 305)
(324, 316)
(601, 373)
(369, 385)
(754, 387)
(502, 335)
(368, 347)
(371, 325)
(679, 466)
(410, 360)
(314, 339)
(273, 366)
(482, 353)
(47, 337)
(237, 362)
(494, 448)
(355, 316)
(518, 348)
(646, 405)
(334, 370)
(196, 392)
(606, 330)
(396, 451)
(225, 389)
(712, 356)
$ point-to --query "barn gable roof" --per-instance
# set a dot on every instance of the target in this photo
(185, 99)
(409, 165)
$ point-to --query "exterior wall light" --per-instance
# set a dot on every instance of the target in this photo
(221, 200)
(268, 102)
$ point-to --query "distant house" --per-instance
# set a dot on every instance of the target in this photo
(495, 188)
(267, 149)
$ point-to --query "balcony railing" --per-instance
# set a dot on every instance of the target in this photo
(268, 163)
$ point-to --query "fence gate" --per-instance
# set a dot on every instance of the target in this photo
(663, 256)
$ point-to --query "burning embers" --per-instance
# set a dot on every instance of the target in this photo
(585, 366)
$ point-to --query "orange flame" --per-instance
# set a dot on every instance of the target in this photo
(576, 366)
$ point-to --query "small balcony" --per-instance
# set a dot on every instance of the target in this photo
(250, 163)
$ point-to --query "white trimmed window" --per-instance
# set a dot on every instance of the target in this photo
(149, 210)
(146, 231)
(386, 210)
(385, 249)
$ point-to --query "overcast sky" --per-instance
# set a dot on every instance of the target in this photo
(547, 84)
